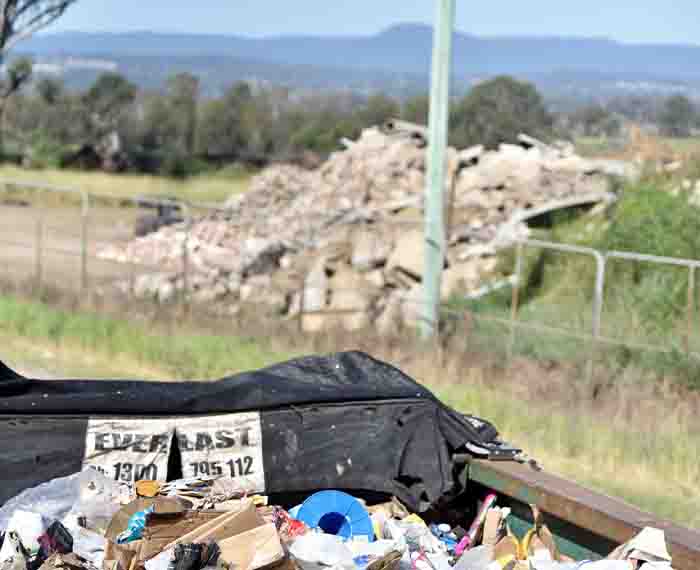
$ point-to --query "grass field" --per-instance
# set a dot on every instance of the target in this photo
(601, 146)
(208, 188)
(651, 463)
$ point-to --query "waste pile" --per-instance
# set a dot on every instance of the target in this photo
(87, 521)
(347, 237)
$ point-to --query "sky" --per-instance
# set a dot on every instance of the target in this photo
(636, 21)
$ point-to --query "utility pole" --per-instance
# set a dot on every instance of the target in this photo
(435, 179)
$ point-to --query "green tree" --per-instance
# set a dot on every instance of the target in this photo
(108, 100)
(50, 90)
(378, 109)
(497, 111)
(160, 127)
(183, 98)
(18, 74)
(678, 116)
(416, 110)
(19, 19)
(595, 120)
(221, 129)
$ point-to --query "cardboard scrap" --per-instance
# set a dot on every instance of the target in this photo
(162, 506)
(494, 526)
(253, 549)
(162, 531)
(647, 546)
(224, 526)
(389, 561)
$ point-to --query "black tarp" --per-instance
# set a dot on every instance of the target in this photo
(340, 421)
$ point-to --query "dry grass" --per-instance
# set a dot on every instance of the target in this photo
(208, 188)
(47, 360)
(647, 147)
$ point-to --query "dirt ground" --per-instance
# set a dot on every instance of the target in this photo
(61, 259)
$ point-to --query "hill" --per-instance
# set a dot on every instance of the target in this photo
(395, 61)
(402, 48)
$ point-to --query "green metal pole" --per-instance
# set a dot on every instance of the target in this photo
(435, 180)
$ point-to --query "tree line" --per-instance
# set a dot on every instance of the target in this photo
(175, 131)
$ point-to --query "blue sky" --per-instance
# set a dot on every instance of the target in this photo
(666, 21)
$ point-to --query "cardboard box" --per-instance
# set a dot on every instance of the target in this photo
(253, 549)
(492, 527)
(224, 526)
(162, 530)
(162, 506)
(120, 556)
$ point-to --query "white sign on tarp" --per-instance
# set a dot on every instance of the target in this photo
(223, 446)
(129, 449)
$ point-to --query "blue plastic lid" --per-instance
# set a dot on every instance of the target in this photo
(337, 513)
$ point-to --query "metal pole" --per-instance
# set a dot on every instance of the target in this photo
(515, 299)
(39, 245)
(185, 274)
(302, 303)
(186, 260)
(691, 308)
(84, 245)
(597, 311)
(435, 181)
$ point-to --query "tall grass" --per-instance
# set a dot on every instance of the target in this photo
(184, 356)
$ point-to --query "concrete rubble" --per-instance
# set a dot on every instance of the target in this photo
(348, 236)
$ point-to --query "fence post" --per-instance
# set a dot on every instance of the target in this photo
(38, 252)
(691, 308)
(131, 293)
(302, 302)
(84, 245)
(597, 311)
(186, 259)
(515, 299)
(186, 273)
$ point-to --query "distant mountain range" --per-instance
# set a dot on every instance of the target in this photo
(399, 56)
(402, 48)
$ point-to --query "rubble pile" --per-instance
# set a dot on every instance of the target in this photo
(347, 238)
(89, 522)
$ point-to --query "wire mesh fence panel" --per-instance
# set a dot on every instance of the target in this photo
(557, 304)
(62, 268)
(650, 314)
(21, 236)
(541, 300)
(18, 260)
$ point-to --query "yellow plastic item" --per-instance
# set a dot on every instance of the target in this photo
(147, 488)
(524, 544)
(504, 561)
(414, 519)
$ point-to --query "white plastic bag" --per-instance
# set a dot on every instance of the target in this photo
(88, 491)
(477, 558)
(86, 544)
(599, 565)
(315, 551)
(52, 500)
(29, 527)
(414, 536)
(98, 499)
